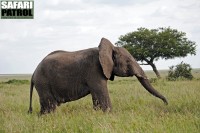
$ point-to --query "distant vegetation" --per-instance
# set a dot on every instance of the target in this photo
(180, 71)
(150, 45)
(16, 82)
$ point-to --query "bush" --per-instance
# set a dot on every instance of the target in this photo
(17, 82)
(180, 71)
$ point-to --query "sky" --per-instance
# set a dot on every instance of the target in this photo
(73, 25)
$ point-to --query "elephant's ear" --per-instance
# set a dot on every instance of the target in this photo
(105, 57)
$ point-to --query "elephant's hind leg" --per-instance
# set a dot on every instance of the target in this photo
(48, 104)
(47, 101)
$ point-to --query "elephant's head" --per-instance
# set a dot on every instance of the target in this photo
(118, 61)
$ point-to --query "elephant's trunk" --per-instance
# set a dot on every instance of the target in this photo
(146, 84)
(139, 73)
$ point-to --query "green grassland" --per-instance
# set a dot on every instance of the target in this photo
(134, 109)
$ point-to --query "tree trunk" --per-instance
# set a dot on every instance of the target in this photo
(155, 70)
(150, 62)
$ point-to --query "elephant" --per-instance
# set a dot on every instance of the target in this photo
(67, 76)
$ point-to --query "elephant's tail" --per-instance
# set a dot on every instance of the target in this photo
(31, 92)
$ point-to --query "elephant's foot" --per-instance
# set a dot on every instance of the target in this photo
(47, 107)
(106, 108)
(96, 107)
(47, 110)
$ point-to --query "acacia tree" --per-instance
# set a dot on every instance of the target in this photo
(149, 45)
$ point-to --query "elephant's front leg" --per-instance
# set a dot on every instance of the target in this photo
(96, 104)
(101, 99)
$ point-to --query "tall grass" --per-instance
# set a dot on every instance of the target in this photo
(134, 110)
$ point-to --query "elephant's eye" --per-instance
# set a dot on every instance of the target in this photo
(128, 61)
(113, 57)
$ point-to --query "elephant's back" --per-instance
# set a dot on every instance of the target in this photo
(64, 63)
(75, 55)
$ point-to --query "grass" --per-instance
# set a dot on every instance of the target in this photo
(134, 109)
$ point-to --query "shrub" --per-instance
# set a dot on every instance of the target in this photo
(17, 82)
(180, 71)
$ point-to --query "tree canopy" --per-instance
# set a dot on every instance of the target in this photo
(149, 45)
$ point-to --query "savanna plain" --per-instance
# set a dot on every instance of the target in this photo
(134, 109)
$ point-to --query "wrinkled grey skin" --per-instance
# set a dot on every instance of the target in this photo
(67, 76)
